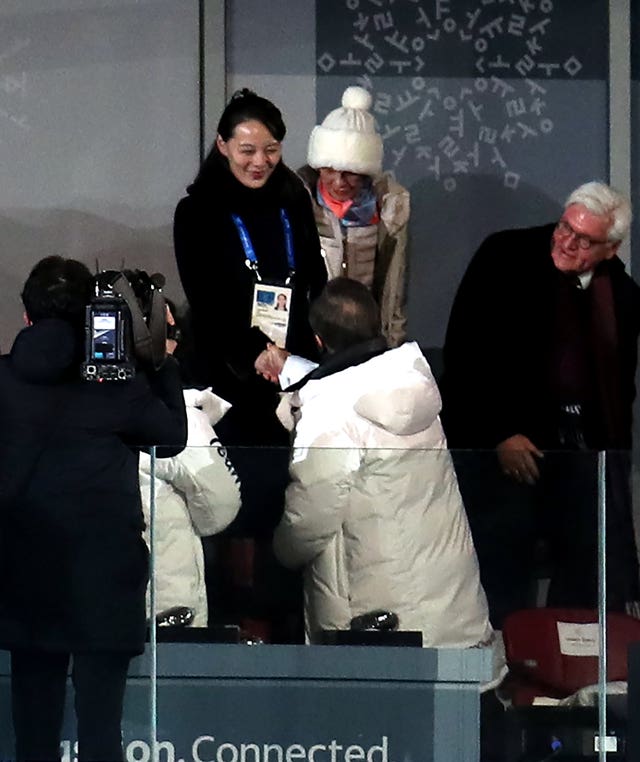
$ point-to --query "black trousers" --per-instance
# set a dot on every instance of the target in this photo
(38, 683)
(510, 521)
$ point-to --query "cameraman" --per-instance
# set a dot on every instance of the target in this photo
(73, 564)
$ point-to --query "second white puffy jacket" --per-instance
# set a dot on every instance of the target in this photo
(197, 494)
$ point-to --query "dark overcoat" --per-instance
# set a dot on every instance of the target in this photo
(219, 286)
(500, 333)
(499, 381)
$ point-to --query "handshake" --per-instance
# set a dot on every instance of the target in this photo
(270, 362)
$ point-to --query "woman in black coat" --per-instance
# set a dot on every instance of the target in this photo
(73, 563)
(233, 211)
(245, 205)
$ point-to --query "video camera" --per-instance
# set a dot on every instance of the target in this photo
(125, 325)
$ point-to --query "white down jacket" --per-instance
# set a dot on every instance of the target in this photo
(197, 493)
(373, 510)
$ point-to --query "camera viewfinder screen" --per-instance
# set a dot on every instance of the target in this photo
(104, 336)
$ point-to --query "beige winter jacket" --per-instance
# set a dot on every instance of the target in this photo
(375, 255)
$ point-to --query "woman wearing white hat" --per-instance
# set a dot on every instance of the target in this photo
(361, 213)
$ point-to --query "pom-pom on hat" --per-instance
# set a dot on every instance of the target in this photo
(347, 140)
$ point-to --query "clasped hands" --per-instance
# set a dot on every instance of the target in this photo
(518, 456)
(270, 362)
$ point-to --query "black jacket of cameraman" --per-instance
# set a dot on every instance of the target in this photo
(73, 564)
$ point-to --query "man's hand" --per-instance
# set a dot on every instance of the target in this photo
(270, 362)
(517, 456)
(171, 344)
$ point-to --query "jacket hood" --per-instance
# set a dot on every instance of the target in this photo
(394, 391)
(45, 352)
(403, 411)
(404, 397)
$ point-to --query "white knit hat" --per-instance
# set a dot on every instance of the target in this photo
(347, 140)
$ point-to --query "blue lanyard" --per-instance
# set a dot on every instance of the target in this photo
(251, 260)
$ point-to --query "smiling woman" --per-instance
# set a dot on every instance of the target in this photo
(246, 219)
(245, 222)
(252, 152)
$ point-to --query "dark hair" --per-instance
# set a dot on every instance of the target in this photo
(245, 105)
(344, 314)
(58, 288)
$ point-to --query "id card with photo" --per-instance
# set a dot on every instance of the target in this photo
(270, 311)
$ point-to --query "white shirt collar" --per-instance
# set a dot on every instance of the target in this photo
(584, 279)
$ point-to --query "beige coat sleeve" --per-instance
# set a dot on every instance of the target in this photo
(390, 277)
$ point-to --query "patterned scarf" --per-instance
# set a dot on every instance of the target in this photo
(356, 212)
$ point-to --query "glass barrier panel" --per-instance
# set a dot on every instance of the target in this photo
(543, 529)
(269, 563)
(73, 575)
(325, 570)
(619, 604)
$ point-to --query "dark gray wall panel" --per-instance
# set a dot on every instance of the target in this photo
(490, 115)
(99, 134)
(451, 37)
(273, 37)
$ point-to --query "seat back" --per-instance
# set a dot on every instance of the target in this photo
(557, 649)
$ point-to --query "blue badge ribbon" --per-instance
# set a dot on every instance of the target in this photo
(251, 260)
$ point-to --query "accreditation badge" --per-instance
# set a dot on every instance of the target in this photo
(270, 311)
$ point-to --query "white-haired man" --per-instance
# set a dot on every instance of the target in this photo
(540, 358)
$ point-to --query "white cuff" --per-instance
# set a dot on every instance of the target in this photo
(295, 368)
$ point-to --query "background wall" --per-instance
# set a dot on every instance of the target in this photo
(490, 113)
(99, 134)
(271, 49)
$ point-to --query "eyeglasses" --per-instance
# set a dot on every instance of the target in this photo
(564, 229)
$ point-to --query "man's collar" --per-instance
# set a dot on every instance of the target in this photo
(584, 279)
(347, 358)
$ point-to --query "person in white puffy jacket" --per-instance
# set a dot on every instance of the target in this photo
(197, 494)
(373, 511)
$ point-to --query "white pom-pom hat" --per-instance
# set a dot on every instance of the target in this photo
(347, 140)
